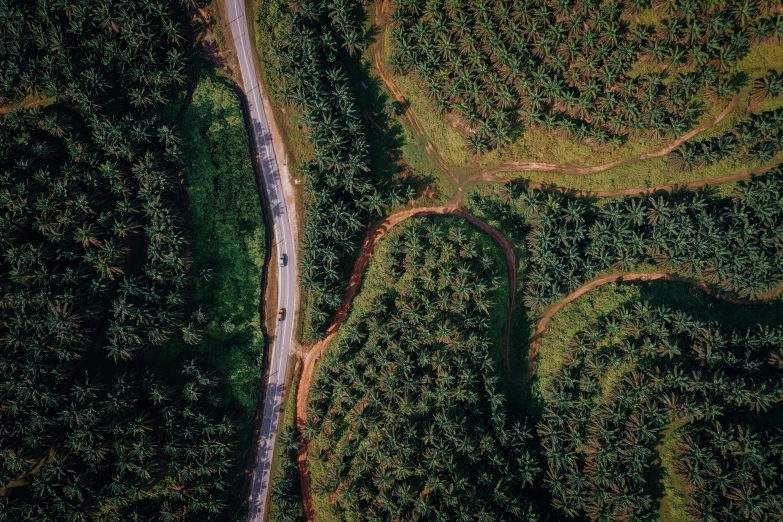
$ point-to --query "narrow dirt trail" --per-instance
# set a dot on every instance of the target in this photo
(381, 19)
(374, 235)
(535, 344)
(615, 193)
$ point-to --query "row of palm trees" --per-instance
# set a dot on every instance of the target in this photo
(731, 472)
(731, 243)
(93, 54)
(313, 42)
(286, 495)
(757, 138)
(600, 438)
(569, 66)
(406, 418)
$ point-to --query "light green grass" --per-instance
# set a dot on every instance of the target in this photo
(225, 216)
(674, 499)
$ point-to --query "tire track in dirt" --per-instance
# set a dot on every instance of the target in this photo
(535, 344)
(374, 235)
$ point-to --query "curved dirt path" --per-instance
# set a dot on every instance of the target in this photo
(535, 344)
(485, 177)
(381, 19)
(374, 235)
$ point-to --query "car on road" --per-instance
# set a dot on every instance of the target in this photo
(283, 259)
(281, 314)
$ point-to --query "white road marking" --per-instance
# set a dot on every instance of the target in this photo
(286, 274)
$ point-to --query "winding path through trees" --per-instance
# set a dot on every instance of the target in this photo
(374, 235)
(379, 229)
(490, 174)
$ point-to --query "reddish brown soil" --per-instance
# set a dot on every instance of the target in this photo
(535, 344)
(374, 235)
(29, 105)
(378, 230)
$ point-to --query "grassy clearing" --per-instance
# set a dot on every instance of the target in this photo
(674, 499)
(229, 240)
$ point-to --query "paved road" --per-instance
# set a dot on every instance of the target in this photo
(273, 401)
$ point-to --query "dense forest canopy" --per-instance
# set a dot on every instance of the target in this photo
(600, 72)
(600, 441)
(97, 55)
(95, 270)
(406, 420)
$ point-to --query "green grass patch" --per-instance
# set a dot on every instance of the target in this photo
(225, 216)
(674, 500)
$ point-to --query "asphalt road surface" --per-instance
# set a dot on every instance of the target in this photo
(273, 397)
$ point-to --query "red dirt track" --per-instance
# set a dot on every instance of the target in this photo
(378, 230)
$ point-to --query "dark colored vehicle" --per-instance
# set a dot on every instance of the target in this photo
(283, 259)
(281, 314)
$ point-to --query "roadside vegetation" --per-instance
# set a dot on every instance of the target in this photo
(226, 219)
(101, 420)
(313, 46)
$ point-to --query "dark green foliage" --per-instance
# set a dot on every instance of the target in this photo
(92, 54)
(405, 416)
(286, 489)
(226, 218)
(95, 270)
(732, 473)
(566, 65)
(624, 380)
(733, 244)
(758, 138)
(91, 246)
(340, 194)
(135, 448)
(769, 86)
